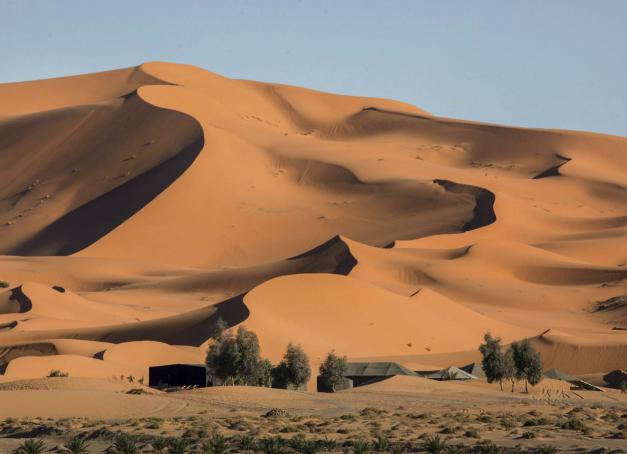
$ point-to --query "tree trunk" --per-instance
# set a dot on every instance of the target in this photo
(513, 385)
(526, 390)
(501, 384)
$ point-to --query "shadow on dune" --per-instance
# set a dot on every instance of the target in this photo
(190, 328)
(483, 214)
(88, 223)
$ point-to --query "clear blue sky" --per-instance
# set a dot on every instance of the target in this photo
(539, 63)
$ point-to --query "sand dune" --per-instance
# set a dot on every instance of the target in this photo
(141, 204)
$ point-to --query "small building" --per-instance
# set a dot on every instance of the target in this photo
(450, 373)
(178, 376)
(575, 381)
(616, 378)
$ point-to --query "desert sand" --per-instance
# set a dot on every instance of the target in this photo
(140, 205)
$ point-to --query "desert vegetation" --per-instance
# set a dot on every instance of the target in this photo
(551, 429)
(519, 362)
(236, 360)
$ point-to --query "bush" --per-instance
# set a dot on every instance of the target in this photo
(359, 447)
(4, 284)
(333, 368)
(124, 444)
(434, 444)
(58, 373)
(31, 447)
(177, 446)
(236, 360)
(294, 369)
(77, 445)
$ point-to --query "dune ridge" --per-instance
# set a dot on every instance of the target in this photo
(141, 204)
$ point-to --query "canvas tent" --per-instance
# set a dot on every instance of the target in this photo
(579, 383)
(616, 378)
(475, 369)
(450, 373)
(177, 375)
(371, 372)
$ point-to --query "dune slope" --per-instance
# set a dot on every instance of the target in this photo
(140, 205)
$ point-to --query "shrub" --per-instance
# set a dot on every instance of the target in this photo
(77, 445)
(333, 368)
(4, 284)
(380, 443)
(125, 444)
(527, 363)
(218, 444)
(434, 444)
(294, 369)
(246, 443)
(487, 448)
(58, 373)
(177, 446)
(359, 447)
(546, 449)
(572, 424)
(274, 445)
(31, 447)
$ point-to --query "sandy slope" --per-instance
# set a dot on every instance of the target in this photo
(156, 199)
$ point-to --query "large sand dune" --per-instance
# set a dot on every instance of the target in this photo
(140, 205)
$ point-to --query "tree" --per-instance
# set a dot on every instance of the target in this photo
(509, 369)
(496, 365)
(527, 362)
(294, 369)
(264, 373)
(236, 360)
(333, 368)
(219, 328)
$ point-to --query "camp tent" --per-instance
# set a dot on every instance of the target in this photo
(450, 373)
(177, 375)
(475, 369)
(578, 382)
(615, 378)
(371, 372)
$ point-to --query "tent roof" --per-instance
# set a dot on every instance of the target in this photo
(475, 369)
(376, 369)
(459, 374)
(558, 375)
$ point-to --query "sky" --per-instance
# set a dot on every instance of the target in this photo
(534, 63)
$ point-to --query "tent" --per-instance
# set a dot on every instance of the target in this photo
(450, 373)
(372, 372)
(615, 378)
(475, 369)
(177, 375)
(579, 383)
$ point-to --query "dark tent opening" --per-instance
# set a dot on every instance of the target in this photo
(178, 375)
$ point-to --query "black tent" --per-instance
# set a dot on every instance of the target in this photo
(178, 375)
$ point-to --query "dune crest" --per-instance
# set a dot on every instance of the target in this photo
(142, 204)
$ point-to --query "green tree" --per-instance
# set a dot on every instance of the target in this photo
(294, 368)
(509, 369)
(264, 373)
(527, 362)
(498, 366)
(236, 360)
(333, 368)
